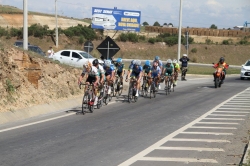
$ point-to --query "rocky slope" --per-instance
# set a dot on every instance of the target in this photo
(26, 81)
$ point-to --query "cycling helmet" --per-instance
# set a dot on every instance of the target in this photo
(157, 58)
(222, 59)
(107, 63)
(132, 62)
(119, 60)
(87, 65)
(174, 61)
(147, 62)
(169, 61)
(137, 62)
(185, 55)
(95, 62)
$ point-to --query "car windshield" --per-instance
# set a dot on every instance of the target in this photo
(86, 55)
(248, 63)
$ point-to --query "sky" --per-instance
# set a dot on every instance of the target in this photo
(195, 13)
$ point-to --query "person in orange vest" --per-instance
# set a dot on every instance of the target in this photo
(222, 64)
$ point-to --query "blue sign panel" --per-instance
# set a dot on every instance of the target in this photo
(125, 20)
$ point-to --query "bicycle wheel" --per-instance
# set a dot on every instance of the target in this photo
(84, 103)
(143, 89)
(120, 90)
(169, 86)
(216, 82)
(151, 90)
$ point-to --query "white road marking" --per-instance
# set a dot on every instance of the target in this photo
(190, 148)
(198, 140)
(41, 121)
(208, 127)
(238, 103)
(217, 123)
(234, 109)
(237, 112)
(224, 118)
(170, 136)
(186, 160)
(233, 105)
(224, 115)
(208, 133)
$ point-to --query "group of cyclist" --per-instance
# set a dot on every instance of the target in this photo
(97, 74)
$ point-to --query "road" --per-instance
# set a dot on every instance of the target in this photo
(178, 129)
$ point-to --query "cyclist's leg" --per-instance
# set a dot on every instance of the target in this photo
(109, 83)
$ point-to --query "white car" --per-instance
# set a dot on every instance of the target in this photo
(74, 58)
(245, 70)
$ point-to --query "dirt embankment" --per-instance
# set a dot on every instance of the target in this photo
(26, 81)
(16, 21)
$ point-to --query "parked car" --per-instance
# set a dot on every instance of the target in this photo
(74, 58)
(36, 49)
(245, 70)
(19, 43)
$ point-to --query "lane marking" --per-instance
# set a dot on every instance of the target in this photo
(224, 118)
(233, 112)
(237, 103)
(234, 109)
(225, 115)
(208, 127)
(217, 123)
(33, 123)
(170, 136)
(191, 148)
(198, 140)
(188, 160)
(208, 133)
(232, 105)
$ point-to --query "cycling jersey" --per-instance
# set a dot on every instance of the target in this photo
(92, 73)
(120, 67)
(159, 63)
(108, 70)
(177, 66)
(100, 70)
(147, 68)
(155, 71)
(135, 71)
(168, 69)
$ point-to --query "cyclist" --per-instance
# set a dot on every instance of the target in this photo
(176, 70)
(168, 71)
(222, 64)
(160, 64)
(91, 73)
(184, 65)
(100, 70)
(157, 59)
(135, 71)
(120, 69)
(109, 73)
(155, 74)
(146, 70)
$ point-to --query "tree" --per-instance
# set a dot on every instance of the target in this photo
(213, 26)
(145, 23)
(157, 24)
(165, 24)
(170, 25)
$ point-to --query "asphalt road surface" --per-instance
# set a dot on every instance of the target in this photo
(194, 125)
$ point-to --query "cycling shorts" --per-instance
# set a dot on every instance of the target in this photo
(91, 79)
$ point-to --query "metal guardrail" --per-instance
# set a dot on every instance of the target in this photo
(191, 64)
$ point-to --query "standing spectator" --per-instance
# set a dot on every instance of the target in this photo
(184, 66)
(50, 52)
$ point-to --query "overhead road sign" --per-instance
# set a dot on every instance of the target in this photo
(115, 19)
(108, 48)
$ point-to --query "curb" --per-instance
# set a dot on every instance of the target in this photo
(246, 154)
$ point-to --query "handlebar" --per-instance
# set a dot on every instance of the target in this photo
(84, 84)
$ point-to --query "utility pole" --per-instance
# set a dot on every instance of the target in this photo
(56, 24)
(25, 25)
(179, 36)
